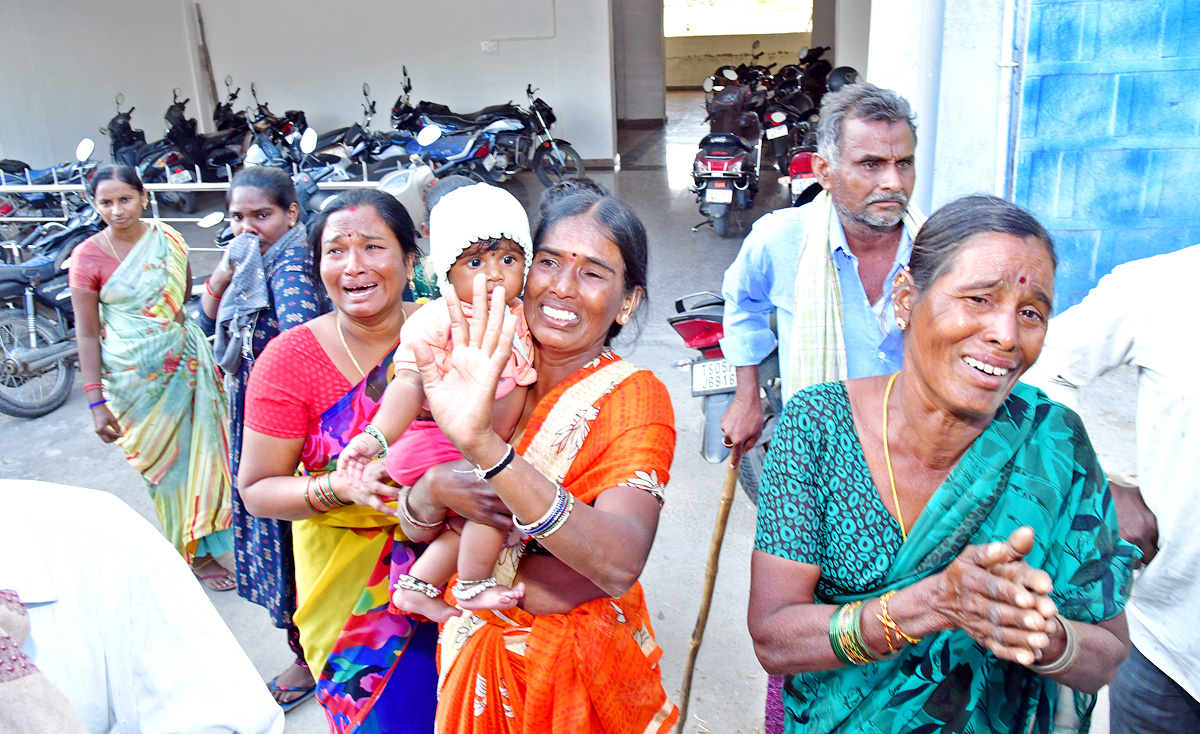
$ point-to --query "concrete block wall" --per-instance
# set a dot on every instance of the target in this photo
(691, 58)
(1108, 154)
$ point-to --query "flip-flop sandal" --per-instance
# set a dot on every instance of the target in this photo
(208, 579)
(309, 691)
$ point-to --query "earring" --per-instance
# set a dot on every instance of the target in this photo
(411, 285)
(901, 323)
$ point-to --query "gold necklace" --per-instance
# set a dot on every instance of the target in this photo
(110, 242)
(110, 246)
(338, 320)
(888, 458)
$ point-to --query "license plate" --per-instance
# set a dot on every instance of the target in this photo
(776, 132)
(713, 376)
(489, 161)
(179, 177)
(718, 196)
(800, 184)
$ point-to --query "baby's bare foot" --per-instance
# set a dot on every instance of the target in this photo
(497, 597)
(417, 604)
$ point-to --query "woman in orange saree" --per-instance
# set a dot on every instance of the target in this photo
(585, 480)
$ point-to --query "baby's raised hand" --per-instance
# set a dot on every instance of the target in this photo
(354, 458)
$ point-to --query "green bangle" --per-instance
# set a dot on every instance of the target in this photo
(834, 642)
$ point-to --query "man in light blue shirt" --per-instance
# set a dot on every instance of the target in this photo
(866, 143)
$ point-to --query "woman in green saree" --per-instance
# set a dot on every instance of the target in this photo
(149, 375)
(937, 549)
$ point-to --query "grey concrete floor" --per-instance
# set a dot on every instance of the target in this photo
(729, 686)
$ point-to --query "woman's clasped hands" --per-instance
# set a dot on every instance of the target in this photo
(1004, 604)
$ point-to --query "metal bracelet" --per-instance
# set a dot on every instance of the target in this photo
(1070, 653)
(373, 431)
(545, 521)
(407, 511)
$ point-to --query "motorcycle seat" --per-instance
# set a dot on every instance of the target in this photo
(487, 114)
(39, 268)
(724, 139)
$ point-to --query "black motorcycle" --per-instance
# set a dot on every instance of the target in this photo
(158, 162)
(214, 154)
(37, 324)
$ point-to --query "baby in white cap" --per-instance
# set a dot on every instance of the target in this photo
(472, 230)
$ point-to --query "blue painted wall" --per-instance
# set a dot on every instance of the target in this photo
(1108, 154)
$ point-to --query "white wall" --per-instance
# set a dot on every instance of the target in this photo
(62, 67)
(639, 68)
(852, 28)
(973, 122)
(906, 56)
(304, 54)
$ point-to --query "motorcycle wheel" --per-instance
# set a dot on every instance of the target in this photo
(550, 171)
(721, 225)
(32, 396)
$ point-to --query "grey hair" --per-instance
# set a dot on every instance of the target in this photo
(950, 230)
(861, 101)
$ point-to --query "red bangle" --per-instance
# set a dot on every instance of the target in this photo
(208, 289)
(93, 386)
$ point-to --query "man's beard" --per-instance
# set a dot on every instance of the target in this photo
(888, 221)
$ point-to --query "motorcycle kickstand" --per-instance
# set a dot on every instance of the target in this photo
(697, 227)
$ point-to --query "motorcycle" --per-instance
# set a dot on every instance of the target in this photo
(363, 145)
(158, 162)
(519, 139)
(37, 324)
(214, 154)
(224, 117)
(725, 170)
(698, 319)
(41, 204)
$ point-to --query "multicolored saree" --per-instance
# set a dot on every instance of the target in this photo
(1033, 465)
(377, 671)
(596, 668)
(161, 383)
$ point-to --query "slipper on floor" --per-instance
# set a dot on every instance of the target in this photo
(210, 579)
(309, 691)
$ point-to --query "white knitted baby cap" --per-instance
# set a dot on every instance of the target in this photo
(470, 214)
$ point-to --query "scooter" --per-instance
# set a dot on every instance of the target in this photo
(158, 162)
(725, 171)
(224, 117)
(698, 320)
(37, 324)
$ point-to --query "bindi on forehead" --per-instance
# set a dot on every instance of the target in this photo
(1022, 279)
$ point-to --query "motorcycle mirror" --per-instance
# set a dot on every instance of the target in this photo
(209, 221)
(404, 69)
(730, 74)
(755, 45)
(366, 89)
(120, 100)
(803, 52)
(83, 151)
(708, 84)
(254, 91)
(175, 93)
(308, 141)
(428, 135)
(228, 81)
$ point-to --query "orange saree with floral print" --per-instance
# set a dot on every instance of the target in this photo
(594, 669)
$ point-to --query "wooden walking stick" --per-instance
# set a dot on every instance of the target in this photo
(710, 580)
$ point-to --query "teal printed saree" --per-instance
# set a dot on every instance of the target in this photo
(1033, 465)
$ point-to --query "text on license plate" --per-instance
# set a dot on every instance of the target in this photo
(489, 161)
(719, 196)
(776, 132)
(800, 184)
(179, 177)
(716, 375)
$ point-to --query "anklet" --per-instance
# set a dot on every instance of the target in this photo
(468, 590)
(412, 583)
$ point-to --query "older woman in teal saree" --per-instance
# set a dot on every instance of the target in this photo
(937, 550)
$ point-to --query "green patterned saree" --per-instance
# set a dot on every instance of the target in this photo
(1034, 466)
